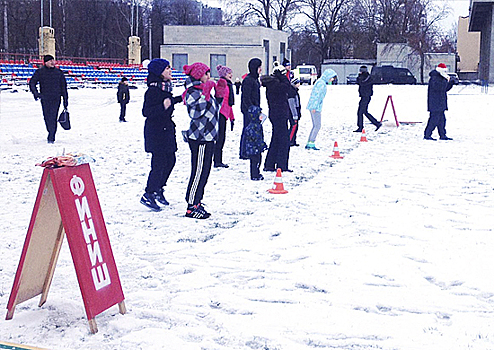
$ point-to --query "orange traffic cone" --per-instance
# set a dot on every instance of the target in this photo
(336, 152)
(278, 184)
(363, 138)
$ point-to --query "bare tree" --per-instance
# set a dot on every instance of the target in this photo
(269, 13)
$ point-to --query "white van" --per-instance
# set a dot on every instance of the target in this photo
(306, 73)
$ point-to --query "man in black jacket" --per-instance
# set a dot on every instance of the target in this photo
(364, 81)
(52, 87)
(123, 97)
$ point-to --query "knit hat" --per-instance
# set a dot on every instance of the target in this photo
(278, 67)
(223, 70)
(443, 70)
(286, 62)
(125, 79)
(157, 66)
(48, 58)
(363, 69)
(196, 70)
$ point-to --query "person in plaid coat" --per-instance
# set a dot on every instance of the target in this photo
(203, 110)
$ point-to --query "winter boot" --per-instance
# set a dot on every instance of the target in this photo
(160, 197)
(149, 200)
(197, 212)
(312, 146)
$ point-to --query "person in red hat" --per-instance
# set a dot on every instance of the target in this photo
(437, 102)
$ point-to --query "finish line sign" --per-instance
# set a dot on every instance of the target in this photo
(67, 204)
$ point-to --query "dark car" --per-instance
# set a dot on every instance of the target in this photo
(392, 75)
(352, 78)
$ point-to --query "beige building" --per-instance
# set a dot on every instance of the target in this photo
(230, 46)
(482, 20)
(468, 50)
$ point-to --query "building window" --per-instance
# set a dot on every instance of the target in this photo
(215, 60)
(282, 52)
(179, 60)
(265, 44)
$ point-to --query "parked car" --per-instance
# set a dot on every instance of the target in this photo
(392, 75)
(306, 74)
(352, 79)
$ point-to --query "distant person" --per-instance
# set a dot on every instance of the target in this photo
(315, 104)
(364, 81)
(53, 87)
(203, 110)
(295, 110)
(123, 97)
(251, 96)
(238, 85)
(226, 99)
(288, 67)
(437, 102)
(159, 130)
(277, 89)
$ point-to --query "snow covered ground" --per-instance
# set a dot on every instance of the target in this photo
(388, 248)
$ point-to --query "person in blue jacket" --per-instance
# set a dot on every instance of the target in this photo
(437, 102)
(159, 130)
(315, 104)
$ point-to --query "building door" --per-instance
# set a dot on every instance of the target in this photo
(266, 56)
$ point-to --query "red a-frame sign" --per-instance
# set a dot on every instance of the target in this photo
(67, 204)
(390, 99)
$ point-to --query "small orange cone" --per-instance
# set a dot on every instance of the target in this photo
(336, 152)
(363, 138)
(278, 184)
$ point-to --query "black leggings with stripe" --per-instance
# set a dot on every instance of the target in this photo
(201, 160)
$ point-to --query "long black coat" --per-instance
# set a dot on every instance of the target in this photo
(277, 90)
(251, 94)
(52, 84)
(159, 128)
(364, 81)
(437, 99)
(123, 95)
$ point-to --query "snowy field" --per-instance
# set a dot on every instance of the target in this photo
(391, 247)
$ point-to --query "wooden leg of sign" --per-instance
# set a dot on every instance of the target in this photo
(53, 263)
(10, 313)
(93, 327)
(121, 308)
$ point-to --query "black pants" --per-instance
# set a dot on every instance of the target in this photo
(201, 160)
(50, 114)
(123, 109)
(220, 142)
(255, 163)
(362, 110)
(437, 119)
(161, 167)
(279, 147)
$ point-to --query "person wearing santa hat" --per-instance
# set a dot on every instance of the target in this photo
(437, 102)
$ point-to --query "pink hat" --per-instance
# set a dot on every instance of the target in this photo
(223, 70)
(196, 70)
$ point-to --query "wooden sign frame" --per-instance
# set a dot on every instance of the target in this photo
(67, 205)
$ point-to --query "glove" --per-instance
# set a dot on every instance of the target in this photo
(220, 88)
(206, 89)
(232, 122)
(65, 104)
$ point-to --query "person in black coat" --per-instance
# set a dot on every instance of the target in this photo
(53, 87)
(159, 130)
(251, 96)
(123, 97)
(238, 85)
(364, 81)
(437, 102)
(277, 90)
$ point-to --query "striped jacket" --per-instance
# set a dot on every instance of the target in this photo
(204, 114)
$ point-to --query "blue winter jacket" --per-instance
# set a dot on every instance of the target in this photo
(319, 90)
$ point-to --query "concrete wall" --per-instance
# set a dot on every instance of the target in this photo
(468, 48)
(482, 20)
(238, 44)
